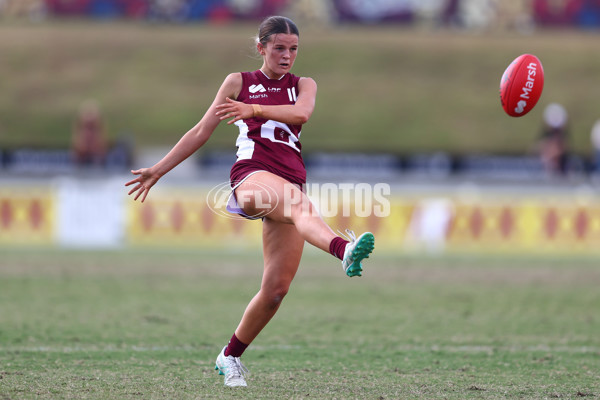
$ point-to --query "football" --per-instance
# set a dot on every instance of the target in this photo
(521, 85)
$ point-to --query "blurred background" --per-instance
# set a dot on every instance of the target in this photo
(408, 96)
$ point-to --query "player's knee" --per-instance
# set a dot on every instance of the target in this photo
(275, 296)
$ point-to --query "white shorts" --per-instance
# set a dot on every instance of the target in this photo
(232, 204)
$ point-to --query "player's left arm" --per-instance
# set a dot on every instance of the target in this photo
(294, 114)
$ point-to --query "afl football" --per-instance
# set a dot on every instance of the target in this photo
(521, 85)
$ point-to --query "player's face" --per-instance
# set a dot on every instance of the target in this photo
(279, 54)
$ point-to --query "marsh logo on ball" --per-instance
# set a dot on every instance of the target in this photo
(521, 106)
(527, 88)
(521, 85)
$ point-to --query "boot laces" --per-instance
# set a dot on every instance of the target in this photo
(351, 237)
(235, 368)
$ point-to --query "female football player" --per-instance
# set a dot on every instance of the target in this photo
(269, 106)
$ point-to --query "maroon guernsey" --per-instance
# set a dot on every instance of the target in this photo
(266, 144)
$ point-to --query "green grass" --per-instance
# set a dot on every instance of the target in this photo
(380, 88)
(149, 324)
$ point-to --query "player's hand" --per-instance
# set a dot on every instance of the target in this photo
(235, 110)
(143, 183)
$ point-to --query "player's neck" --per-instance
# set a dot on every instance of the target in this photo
(270, 77)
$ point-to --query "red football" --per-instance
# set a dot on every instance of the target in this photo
(521, 85)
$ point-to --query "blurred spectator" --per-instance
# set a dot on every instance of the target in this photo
(556, 12)
(167, 10)
(106, 9)
(514, 15)
(477, 14)
(553, 146)
(450, 14)
(35, 10)
(216, 11)
(68, 7)
(595, 137)
(317, 12)
(589, 14)
(399, 11)
(88, 141)
(135, 8)
(429, 12)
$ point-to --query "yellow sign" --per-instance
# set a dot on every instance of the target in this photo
(26, 216)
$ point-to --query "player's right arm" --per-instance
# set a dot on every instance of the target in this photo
(189, 143)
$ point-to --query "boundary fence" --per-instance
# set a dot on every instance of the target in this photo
(467, 217)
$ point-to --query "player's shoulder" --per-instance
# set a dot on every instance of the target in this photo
(306, 80)
(307, 83)
(233, 78)
(232, 85)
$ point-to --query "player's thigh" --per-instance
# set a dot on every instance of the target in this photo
(282, 250)
(267, 194)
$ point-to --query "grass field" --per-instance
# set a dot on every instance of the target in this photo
(380, 88)
(148, 324)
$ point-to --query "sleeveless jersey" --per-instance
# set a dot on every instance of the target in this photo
(266, 144)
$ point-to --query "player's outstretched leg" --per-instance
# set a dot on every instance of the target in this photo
(232, 368)
(358, 249)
